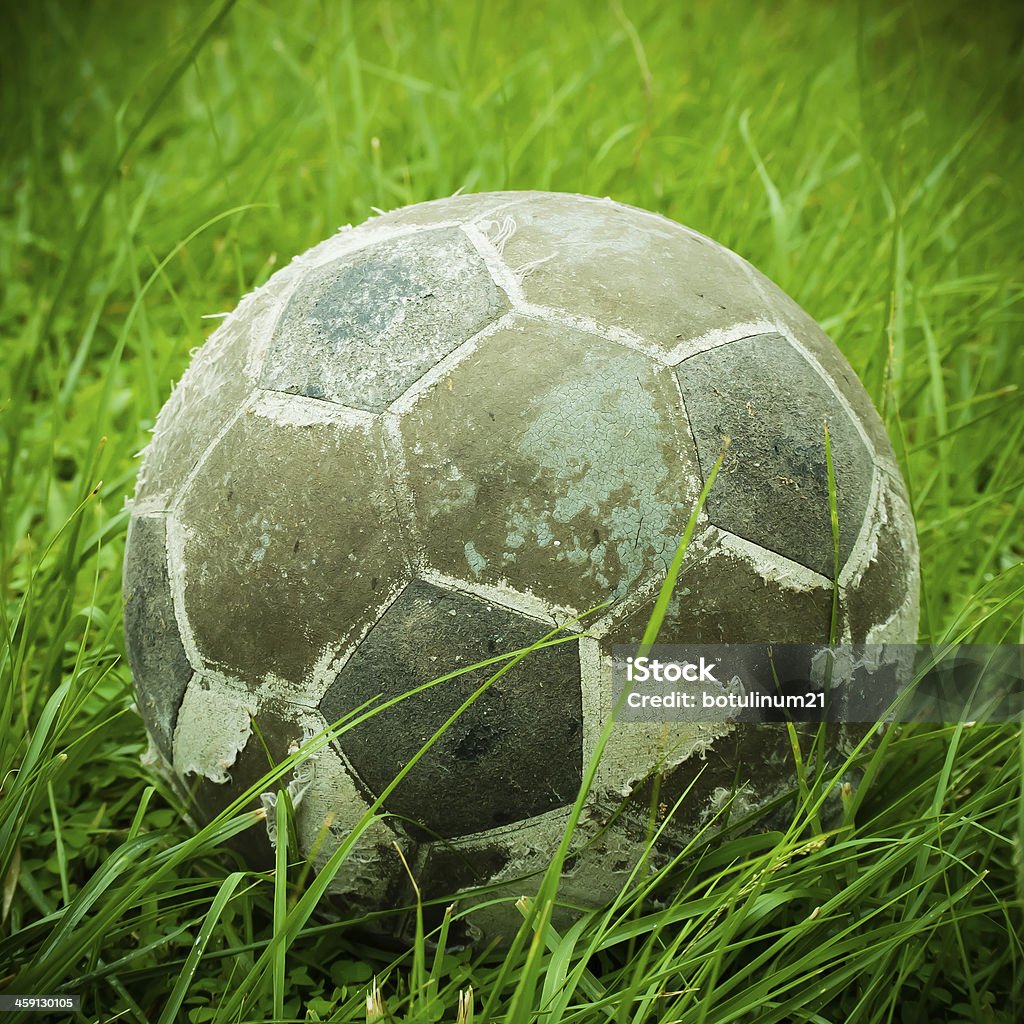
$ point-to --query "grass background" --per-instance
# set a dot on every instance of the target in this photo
(159, 160)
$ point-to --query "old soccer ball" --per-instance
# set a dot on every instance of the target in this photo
(424, 444)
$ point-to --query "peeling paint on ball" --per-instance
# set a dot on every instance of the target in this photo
(434, 437)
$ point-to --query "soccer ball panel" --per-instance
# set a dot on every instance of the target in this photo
(288, 524)
(742, 771)
(773, 405)
(509, 861)
(807, 332)
(222, 376)
(214, 726)
(881, 594)
(551, 461)
(160, 666)
(625, 268)
(509, 864)
(515, 752)
(361, 329)
(737, 593)
(213, 388)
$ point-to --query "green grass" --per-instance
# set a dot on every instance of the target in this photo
(161, 160)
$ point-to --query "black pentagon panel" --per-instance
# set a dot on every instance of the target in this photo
(515, 752)
(751, 766)
(447, 869)
(160, 667)
(725, 598)
(765, 396)
(807, 331)
(361, 329)
(890, 576)
(289, 545)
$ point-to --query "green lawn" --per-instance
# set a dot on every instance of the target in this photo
(161, 160)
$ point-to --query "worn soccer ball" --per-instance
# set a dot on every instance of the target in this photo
(435, 437)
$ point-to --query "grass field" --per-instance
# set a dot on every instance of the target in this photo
(161, 160)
